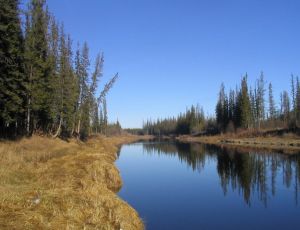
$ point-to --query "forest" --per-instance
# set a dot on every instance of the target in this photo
(245, 108)
(46, 87)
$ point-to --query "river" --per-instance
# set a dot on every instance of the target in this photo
(194, 186)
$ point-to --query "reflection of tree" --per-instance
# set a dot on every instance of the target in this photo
(246, 172)
(193, 155)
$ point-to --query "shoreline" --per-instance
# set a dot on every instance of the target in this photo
(51, 183)
(285, 145)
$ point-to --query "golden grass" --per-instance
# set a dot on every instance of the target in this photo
(53, 184)
(288, 143)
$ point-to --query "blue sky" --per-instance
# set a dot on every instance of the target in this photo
(171, 54)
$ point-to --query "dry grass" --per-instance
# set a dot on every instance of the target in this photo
(287, 143)
(53, 184)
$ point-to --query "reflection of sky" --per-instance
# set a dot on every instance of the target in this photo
(170, 195)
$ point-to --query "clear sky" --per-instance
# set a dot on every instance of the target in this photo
(171, 54)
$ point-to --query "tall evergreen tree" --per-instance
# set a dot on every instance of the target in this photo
(66, 87)
(82, 63)
(231, 106)
(12, 78)
(222, 109)
(244, 105)
(286, 106)
(297, 103)
(105, 117)
(101, 120)
(97, 74)
(53, 60)
(272, 106)
(37, 67)
(253, 106)
(39, 87)
(293, 91)
(260, 100)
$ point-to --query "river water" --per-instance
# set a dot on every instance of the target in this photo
(194, 186)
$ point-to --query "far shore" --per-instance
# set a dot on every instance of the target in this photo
(288, 144)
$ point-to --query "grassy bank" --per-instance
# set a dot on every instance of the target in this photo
(54, 184)
(269, 141)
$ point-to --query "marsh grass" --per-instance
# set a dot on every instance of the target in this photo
(288, 143)
(53, 184)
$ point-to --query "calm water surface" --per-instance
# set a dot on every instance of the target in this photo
(193, 186)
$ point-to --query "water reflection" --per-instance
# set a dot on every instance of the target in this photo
(247, 172)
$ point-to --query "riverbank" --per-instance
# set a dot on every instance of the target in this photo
(54, 184)
(289, 143)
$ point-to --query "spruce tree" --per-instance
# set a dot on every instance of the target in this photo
(253, 118)
(37, 67)
(96, 75)
(286, 107)
(272, 106)
(66, 87)
(53, 60)
(260, 100)
(231, 105)
(297, 105)
(101, 120)
(82, 64)
(293, 91)
(105, 117)
(12, 78)
(244, 106)
(222, 109)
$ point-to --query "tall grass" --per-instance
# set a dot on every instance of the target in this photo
(53, 184)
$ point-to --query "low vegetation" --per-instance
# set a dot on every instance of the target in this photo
(284, 141)
(54, 184)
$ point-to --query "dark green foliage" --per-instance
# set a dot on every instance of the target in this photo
(193, 121)
(244, 106)
(103, 118)
(260, 101)
(235, 111)
(12, 78)
(222, 110)
(37, 65)
(66, 90)
(89, 115)
(40, 88)
(240, 109)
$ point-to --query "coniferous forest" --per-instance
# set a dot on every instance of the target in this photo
(245, 108)
(46, 86)
(63, 164)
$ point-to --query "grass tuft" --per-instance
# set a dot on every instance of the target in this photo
(53, 184)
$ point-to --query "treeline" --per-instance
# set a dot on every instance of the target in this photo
(46, 87)
(191, 122)
(247, 107)
(244, 108)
